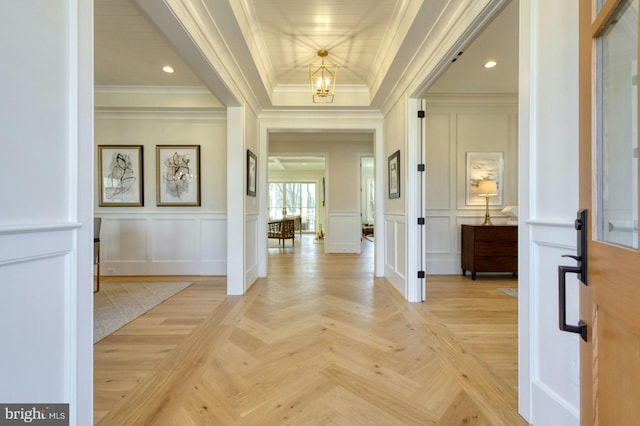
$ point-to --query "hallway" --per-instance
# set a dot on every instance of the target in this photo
(320, 341)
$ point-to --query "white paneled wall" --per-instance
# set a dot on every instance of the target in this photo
(154, 240)
(455, 125)
(395, 260)
(163, 244)
(343, 232)
(251, 248)
(45, 214)
(549, 369)
(36, 276)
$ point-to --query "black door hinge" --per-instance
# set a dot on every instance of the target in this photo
(421, 114)
(421, 167)
(421, 221)
(420, 274)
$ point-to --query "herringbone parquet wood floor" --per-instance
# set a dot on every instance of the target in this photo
(320, 341)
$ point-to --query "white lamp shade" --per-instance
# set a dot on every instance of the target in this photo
(487, 188)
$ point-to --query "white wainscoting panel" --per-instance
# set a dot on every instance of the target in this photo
(343, 232)
(395, 260)
(438, 234)
(459, 124)
(173, 240)
(251, 249)
(438, 183)
(156, 243)
(440, 245)
(36, 276)
(555, 385)
(213, 237)
(127, 239)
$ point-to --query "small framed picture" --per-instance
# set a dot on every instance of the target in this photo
(178, 175)
(394, 175)
(483, 166)
(252, 168)
(120, 175)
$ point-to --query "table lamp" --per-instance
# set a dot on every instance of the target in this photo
(487, 188)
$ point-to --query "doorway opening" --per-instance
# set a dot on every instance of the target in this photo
(295, 189)
(367, 198)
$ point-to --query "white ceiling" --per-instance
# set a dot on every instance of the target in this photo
(295, 163)
(498, 42)
(352, 31)
(130, 51)
(370, 40)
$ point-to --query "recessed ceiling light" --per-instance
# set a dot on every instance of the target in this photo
(167, 69)
(490, 64)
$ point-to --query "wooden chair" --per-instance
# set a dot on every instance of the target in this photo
(97, 222)
(282, 230)
(297, 222)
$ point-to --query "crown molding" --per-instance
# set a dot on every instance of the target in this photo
(248, 22)
(129, 113)
(471, 99)
(183, 90)
(334, 115)
(305, 88)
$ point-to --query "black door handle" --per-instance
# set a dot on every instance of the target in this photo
(580, 270)
(581, 328)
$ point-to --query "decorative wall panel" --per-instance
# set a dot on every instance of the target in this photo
(173, 240)
(458, 124)
(162, 244)
(36, 277)
(343, 232)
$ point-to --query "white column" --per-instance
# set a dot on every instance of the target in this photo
(235, 201)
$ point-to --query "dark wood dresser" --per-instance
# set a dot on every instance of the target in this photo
(489, 249)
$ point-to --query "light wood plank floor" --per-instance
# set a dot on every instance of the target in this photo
(320, 341)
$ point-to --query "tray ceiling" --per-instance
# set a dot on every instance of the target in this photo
(370, 40)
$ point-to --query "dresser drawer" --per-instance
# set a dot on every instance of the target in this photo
(496, 248)
(495, 233)
(496, 264)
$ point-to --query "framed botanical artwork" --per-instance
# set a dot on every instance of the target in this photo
(483, 166)
(178, 175)
(252, 168)
(394, 175)
(120, 175)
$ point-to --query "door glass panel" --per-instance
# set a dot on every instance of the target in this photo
(276, 200)
(617, 128)
(308, 206)
(293, 199)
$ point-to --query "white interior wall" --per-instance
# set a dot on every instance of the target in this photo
(456, 125)
(156, 240)
(252, 234)
(548, 358)
(46, 213)
(395, 218)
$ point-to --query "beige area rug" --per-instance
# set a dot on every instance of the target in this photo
(117, 304)
(513, 292)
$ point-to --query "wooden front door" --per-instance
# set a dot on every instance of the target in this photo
(610, 300)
